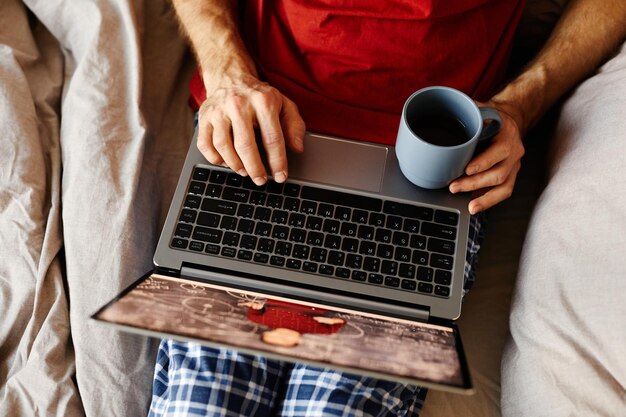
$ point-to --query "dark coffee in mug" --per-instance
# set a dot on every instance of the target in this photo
(439, 129)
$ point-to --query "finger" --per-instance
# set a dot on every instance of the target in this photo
(498, 151)
(495, 195)
(246, 147)
(497, 175)
(273, 142)
(204, 142)
(223, 143)
(293, 125)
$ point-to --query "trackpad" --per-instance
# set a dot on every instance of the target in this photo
(339, 162)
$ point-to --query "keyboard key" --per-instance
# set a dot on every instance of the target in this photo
(280, 232)
(359, 216)
(291, 204)
(245, 226)
(342, 273)
(188, 216)
(325, 210)
(309, 266)
(234, 180)
(441, 261)
(367, 248)
(301, 252)
(274, 201)
(348, 229)
(331, 226)
(244, 255)
(262, 214)
(229, 252)
(294, 263)
(208, 219)
(371, 264)
(389, 267)
(297, 220)
(212, 249)
(341, 199)
(280, 217)
(266, 245)
(231, 239)
(326, 269)
(249, 242)
(213, 190)
(258, 198)
(196, 187)
(394, 222)
(274, 187)
(315, 238)
(277, 260)
(319, 255)
(218, 177)
(183, 230)
(408, 284)
(245, 210)
(443, 277)
(314, 223)
(446, 217)
(383, 235)
(236, 194)
(283, 248)
(418, 242)
(350, 245)
(411, 226)
(441, 246)
(425, 288)
(219, 206)
(201, 174)
(366, 232)
(342, 213)
(207, 234)
(250, 185)
(403, 255)
(359, 275)
(263, 229)
(261, 258)
(438, 230)
(408, 210)
(442, 291)
(424, 273)
(179, 243)
(400, 239)
(336, 258)
(292, 190)
(406, 270)
(228, 223)
(354, 261)
(375, 279)
(332, 242)
(377, 219)
(384, 251)
(308, 207)
(297, 235)
(392, 282)
(420, 257)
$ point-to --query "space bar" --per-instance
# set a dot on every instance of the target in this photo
(341, 199)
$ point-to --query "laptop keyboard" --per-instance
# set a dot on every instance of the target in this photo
(315, 230)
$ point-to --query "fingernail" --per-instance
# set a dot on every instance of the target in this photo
(260, 180)
(454, 188)
(280, 176)
(472, 170)
(474, 208)
(242, 172)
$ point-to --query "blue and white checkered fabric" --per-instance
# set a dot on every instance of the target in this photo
(193, 380)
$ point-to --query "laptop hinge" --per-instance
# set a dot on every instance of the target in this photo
(307, 294)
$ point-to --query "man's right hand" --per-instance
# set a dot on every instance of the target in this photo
(228, 118)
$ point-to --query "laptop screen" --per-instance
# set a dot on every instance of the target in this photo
(383, 347)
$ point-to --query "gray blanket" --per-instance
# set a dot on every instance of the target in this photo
(94, 127)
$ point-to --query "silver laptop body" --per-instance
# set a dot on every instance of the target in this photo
(364, 170)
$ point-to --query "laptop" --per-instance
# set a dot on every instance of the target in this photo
(346, 265)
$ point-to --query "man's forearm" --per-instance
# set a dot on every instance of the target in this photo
(586, 34)
(211, 26)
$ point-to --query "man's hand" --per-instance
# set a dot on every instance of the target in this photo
(491, 174)
(227, 120)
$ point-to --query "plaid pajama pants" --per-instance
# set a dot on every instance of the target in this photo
(194, 380)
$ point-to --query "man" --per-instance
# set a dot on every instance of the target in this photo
(372, 57)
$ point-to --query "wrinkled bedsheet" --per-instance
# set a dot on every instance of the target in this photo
(94, 127)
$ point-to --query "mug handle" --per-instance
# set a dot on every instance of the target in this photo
(491, 114)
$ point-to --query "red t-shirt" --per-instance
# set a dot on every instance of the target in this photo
(350, 65)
